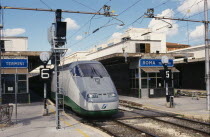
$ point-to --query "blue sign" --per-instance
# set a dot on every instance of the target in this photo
(154, 63)
(14, 63)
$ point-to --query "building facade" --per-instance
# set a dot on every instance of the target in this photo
(14, 70)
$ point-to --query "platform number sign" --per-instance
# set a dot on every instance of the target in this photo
(166, 74)
(45, 73)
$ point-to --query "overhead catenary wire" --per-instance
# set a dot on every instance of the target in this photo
(186, 18)
(125, 10)
(45, 4)
(133, 23)
(83, 5)
(111, 34)
(85, 24)
(123, 27)
(108, 21)
(178, 12)
(184, 26)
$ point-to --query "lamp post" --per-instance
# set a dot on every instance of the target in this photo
(166, 75)
(44, 57)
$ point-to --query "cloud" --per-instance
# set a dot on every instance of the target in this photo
(191, 7)
(116, 35)
(197, 32)
(79, 37)
(159, 26)
(14, 32)
(119, 27)
(71, 24)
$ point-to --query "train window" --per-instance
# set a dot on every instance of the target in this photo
(75, 71)
(93, 70)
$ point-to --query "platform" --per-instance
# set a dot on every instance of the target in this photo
(32, 123)
(186, 106)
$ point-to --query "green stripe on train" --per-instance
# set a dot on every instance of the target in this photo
(83, 112)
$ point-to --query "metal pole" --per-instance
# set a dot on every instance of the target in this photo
(16, 87)
(45, 100)
(207, 54)
(166, 90)
(45, 97)
(166, 82)
(0, 67)
(140, 92)
(57, 92)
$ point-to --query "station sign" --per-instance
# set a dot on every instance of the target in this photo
(14, 63)
(154, 63)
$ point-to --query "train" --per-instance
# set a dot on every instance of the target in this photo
(87, 89)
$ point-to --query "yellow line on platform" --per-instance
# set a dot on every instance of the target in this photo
(68, 124)
(82, 132)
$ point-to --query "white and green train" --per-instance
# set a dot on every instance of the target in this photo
(87, 88)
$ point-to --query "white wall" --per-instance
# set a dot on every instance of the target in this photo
(77, 56)
(16, 43)
(136, 34)
(157, 43)
(158, 46)
(199, 51)
(129, 46)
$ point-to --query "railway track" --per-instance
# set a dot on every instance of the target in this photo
(112, 126)
(118, 128)
(200, 128)
(137, 122)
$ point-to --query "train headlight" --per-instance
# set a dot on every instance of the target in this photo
(112, 95)
(92, 95)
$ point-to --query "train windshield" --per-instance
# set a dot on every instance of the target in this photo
(93, 70)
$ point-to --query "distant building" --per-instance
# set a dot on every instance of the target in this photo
(16, 63)
(175, 46)
(192, 68)
(16, 43)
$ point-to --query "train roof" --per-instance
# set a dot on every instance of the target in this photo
(73, 64)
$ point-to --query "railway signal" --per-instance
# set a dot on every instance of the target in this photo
(166, 76)
(45, 76)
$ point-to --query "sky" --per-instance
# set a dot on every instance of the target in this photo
(35, 24)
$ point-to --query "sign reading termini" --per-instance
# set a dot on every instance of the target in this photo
(154, 63)
(14, 63)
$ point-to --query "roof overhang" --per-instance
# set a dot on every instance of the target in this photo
(120, 57)
(193, 60)
(157, 69)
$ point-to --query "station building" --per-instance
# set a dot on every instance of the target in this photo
(133, 61)
(192, 69)
(16, 63)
